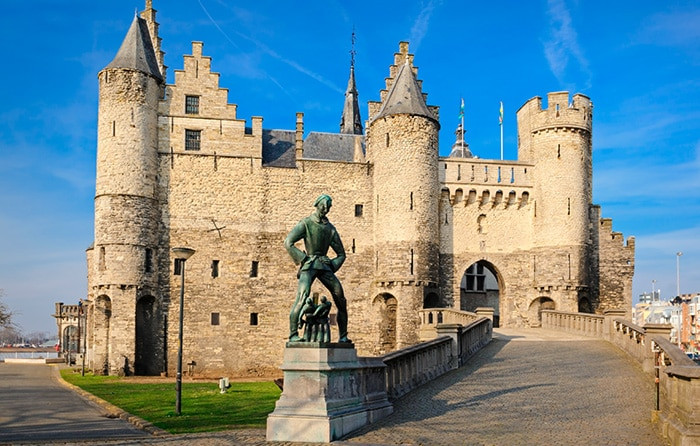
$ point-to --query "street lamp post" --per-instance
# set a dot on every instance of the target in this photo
(82, 339)
(678, 273)
(181, 254)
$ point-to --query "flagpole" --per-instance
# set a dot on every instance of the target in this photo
(500, 122)
(501, 141)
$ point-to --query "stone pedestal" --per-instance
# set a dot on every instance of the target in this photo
(328, 392)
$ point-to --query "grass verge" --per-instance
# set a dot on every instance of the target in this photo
(204, 408)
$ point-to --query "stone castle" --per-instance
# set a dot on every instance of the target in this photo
(176, 167)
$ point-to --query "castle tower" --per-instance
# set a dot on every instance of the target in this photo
(403, 147)
(128, 333)
(557, 141)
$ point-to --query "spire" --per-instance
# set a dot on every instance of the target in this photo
(350, 121)
(137, 51)
(405, 96)
(460, 149)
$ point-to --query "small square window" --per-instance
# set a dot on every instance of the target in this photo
(192, 105)
(254, 269)
(253, 318)
(358, 210)
(215, 268)
(215, 318)
(193, 139)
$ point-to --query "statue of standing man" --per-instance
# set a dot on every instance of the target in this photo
(318, 235)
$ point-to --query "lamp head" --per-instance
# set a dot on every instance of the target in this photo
(183, 253)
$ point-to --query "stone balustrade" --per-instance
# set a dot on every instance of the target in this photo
(677, 377)
(414, 366)
(577, 323)
(431, 317)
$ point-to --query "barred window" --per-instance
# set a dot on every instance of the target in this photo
(192, 105)
(193, 139)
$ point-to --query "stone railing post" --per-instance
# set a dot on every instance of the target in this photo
(608, 329)
(485, 312)
(651, 330)
(452, 330)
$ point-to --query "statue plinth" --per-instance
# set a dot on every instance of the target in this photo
(328, 392)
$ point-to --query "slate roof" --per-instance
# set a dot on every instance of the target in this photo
(330, 146)
(405, 96)
(350, 121)
(137, 51)
(278, 148)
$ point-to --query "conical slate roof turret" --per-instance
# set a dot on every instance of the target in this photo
(405, 96)
(137, 51)
(460, 149)
(351, 122)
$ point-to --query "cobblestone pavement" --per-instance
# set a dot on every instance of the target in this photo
(516, 391)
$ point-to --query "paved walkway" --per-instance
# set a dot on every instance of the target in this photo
(518, 390)
(35, 408)
(522, 391)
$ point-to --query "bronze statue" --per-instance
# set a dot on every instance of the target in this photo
(318, 235)
(315, 320)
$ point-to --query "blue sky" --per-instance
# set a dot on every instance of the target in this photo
(639, 62)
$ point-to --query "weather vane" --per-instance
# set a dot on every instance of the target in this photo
(352, 51)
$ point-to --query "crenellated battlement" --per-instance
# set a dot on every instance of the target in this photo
(559, 114)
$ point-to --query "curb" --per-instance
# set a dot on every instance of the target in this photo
(110, 410)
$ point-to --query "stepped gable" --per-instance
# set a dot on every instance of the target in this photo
(137, 51)
(405, 96)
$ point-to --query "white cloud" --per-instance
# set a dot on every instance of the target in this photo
(421, 25)
(562, 45)
(272, 53)
(671, 29)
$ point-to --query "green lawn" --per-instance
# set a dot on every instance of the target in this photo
(204, 408)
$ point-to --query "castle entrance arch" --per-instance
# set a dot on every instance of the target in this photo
(101, 332)
(70, 342)
(534, 312)
(385, 309)
(146, 359)
(479, 287)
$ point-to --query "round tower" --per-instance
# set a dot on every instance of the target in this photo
(557, 141)
(403, 146)
(124, 277)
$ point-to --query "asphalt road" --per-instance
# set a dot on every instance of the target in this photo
(35, 408)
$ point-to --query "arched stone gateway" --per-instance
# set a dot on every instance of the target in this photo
(431, 300)
(101, 333)
(480, 287)
(146, 362)
(385, 308)
(535, 310)
(584, 305)
(70, 340)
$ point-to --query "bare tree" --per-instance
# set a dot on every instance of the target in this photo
(5, 313)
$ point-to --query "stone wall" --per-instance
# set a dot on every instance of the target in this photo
(424, 220)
